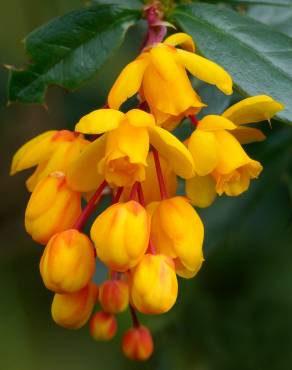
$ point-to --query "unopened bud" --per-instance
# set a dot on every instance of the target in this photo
(68, 263)
(72, 310)
(52, 207)
(121, 235)
(137, 343)
(103, 326)
(114, 296)
(154, 284)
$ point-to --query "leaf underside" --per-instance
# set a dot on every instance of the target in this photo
(257, 56)
(70, 50)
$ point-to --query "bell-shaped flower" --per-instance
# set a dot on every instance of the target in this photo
(120, 155)
(121, 235)
(53, 207)
(221, 164)
(159, 74)
(178, 232)
(51, 151)
(73, 310)
(68, 262)
(153, 284)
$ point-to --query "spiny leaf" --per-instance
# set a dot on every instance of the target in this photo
(69, 50)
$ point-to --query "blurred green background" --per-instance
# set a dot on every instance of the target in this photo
(235, 315)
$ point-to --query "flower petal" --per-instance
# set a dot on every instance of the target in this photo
(182, 39)
(173, 151)
(128, 141)
(201, 190)
(100, 121)
(139, 118)
(128, 82)
(246, 135)
(182, 271)
(214, 122)
(230, 153)
(178, 94)
(254, 109)
(206, 70)
(34, 151)
(82, 174)
(202, 145)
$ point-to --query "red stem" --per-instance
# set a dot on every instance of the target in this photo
(151, 247)
(118, 194)
(160, 178)
(134, 190)
(141, 195)
(194, 120)
(89, 208)
(134, 316)
(156, 31)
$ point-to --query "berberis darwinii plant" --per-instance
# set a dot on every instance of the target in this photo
(149, 235)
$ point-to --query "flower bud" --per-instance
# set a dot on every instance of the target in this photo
(114, 296)
(154, 284)
(52, 207)
(68, 263)
(72, 310)
(178, 232)
(103, 326)
(121, 235)
(137, 343)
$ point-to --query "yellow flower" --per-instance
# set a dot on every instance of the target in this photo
(159, 75)
(68, 263)
(72, 310)
(51, 151)
(178, 232)
(120, 154)
(221, 164)
(103, 326)
(52, 207)
(121, 235)
(154, 284)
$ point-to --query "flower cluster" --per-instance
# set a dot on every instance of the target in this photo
(148, 235)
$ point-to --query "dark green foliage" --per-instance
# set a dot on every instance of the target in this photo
(70, 50)
(257, 56)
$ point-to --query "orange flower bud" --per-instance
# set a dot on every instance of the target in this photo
(72, 310)
(68, 263)
(154, 284)
(114, 296)
(103, 326)
(52, 207)
(178, 232)
(137, 343)
(121, 235)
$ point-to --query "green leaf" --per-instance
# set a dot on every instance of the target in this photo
(70, 50)
(130, 3)
(279, 18)
(258, 2)
(257, 57)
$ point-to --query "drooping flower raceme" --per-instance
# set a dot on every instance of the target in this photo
(147, 235)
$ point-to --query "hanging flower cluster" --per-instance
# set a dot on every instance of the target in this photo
(149, 235)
